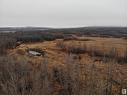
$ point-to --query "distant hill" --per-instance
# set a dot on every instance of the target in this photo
(92, 31)
(95, 31)
(22, 29)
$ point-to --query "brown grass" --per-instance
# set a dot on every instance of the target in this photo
(62, 73)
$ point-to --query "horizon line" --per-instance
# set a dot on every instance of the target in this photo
(58, 27)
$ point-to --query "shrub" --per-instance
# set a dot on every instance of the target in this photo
(71, 49)
(6, 43)
(21, 51)
(76, 50)
(30, 38)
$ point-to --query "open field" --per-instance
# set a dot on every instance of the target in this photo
(62, 63)
(53, 52)
(58, 58)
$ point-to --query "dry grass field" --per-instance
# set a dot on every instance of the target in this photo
(105, 75)
(54, 53)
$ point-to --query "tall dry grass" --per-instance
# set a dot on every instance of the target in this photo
(75, 78)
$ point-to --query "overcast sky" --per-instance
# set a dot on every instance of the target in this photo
(63, 13)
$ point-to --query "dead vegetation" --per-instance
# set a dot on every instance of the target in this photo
(75, 76)
(93, 51)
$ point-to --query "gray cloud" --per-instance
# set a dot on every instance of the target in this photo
(63, 13)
